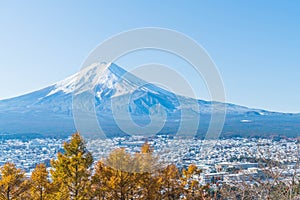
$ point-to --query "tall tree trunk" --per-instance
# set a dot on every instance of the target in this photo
(8, 194)
(41, 194)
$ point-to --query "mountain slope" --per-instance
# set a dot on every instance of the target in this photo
(49, 111)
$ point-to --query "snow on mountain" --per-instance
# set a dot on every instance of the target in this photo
(110, 81)
(66, 85)
(101, 77)
(50, 109)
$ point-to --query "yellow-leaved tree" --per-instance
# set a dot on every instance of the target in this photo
(40, 184)
(190, 183)
(148, 176)
(71, 170)
(100, 180)
(13, 184)
(116, 176)
(171, 186)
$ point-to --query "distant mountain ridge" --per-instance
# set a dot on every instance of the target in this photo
(49, 111)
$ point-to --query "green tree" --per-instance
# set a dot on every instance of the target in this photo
(72, 170)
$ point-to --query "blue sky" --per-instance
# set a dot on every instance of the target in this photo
(254, 44)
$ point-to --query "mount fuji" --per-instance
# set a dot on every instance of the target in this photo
(49, 111)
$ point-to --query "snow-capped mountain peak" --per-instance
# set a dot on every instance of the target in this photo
(49, 110)
(99, 75)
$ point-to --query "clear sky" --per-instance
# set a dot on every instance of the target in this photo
(255, 44)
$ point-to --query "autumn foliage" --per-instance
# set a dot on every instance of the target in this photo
(121, 176)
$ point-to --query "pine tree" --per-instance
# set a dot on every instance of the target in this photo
(71, 171)
(40, 185)
(13, 183)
